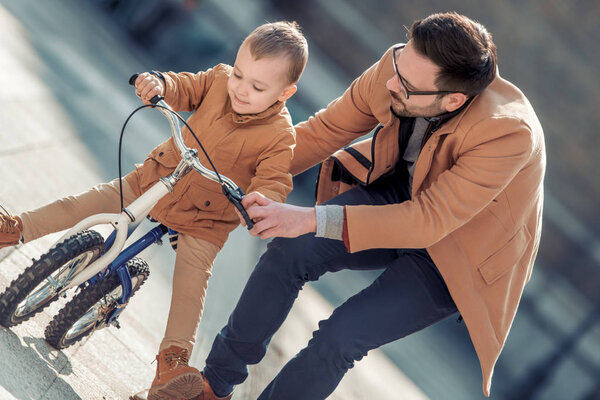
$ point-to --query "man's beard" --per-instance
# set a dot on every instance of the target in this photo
(399, 114)
(432, 110)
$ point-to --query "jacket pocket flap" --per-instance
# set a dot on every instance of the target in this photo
(206, 199)
(165, 155)
(354, 161)
(504, 259)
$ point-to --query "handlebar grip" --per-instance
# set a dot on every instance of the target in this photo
(132, 80)
(242, 210)
(155, 99)
(235, 197)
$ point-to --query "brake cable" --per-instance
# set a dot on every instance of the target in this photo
(186, 125)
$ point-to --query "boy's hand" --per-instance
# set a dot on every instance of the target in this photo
(147, 86)
(274, 219)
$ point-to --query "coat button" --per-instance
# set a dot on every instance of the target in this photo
(388, 167)
(335, 188)
(206, 203)
(161, 153)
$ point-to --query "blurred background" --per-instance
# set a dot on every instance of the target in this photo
(548, 48)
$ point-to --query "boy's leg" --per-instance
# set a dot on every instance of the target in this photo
(274, 284)
(66, 212)
(407, 297)
(174, 377)
(193, 265)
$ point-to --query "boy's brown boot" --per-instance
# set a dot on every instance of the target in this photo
(175, 379)
(10, 228)
(143, 395)
(208, 394)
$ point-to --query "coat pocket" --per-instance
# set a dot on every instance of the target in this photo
(165, 155)
(330, 182)
(210, 204)
(355, 162)
(506, 258)
(160, 163)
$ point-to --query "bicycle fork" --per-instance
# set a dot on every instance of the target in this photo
(119, 266)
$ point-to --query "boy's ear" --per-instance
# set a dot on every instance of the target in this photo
(287, 93)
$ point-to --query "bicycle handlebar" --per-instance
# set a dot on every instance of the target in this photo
(232, 191)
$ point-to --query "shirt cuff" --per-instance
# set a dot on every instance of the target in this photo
(321, 220)
(330, 221)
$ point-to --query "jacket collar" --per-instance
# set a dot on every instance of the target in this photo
(245, 118)
(442, 119)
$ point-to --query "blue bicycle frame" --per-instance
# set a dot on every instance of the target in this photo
(119, 264)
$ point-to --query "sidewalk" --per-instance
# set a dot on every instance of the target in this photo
(64, 98)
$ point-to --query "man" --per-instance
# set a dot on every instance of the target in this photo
(446, 198)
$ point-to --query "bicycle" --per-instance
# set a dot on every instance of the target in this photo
(106, 275)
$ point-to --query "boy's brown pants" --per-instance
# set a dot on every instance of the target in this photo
(193, 261)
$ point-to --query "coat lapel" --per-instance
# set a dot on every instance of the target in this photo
(447, 127)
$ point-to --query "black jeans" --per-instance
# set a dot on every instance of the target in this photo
(408, 296)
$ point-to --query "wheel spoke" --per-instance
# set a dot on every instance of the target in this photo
(52, 285)
(84, 324)
(69, 270)
(35, 300)
(95, 317)
(42, 282)
(92, 307)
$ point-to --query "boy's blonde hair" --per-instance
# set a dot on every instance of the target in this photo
(280, 38)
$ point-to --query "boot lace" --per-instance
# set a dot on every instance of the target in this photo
(7, 221)
(179, 357)
(174, 358)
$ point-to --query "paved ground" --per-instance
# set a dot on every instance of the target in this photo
(64, 97)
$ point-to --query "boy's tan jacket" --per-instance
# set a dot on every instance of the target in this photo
(254, 151)
(476, 198)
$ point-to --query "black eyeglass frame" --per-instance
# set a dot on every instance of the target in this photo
(408, 93)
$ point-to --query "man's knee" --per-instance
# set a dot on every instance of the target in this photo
(338, 348)
(286, 260)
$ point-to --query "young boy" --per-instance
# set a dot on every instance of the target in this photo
(241, 120)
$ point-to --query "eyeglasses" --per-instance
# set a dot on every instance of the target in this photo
(408, 93)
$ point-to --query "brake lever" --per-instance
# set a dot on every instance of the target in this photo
(235, 196)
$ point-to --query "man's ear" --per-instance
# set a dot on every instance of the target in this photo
(454, 101)
(287, 93)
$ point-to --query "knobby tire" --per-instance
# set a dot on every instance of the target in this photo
(24, 285)
(100, 299)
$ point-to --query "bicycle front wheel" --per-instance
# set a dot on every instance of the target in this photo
(89, 310)
(40, 284)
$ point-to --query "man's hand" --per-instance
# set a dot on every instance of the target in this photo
(147, 86)
(274, 219)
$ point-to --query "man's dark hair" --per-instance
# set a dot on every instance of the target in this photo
(461, 47)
